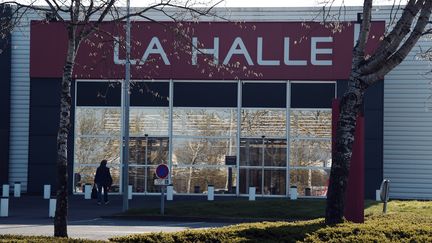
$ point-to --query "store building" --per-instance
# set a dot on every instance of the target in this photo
(251, 106)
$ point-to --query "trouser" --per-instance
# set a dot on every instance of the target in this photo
(105, 189)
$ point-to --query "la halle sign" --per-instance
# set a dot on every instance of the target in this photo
(203, 51)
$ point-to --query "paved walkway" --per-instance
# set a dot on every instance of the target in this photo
(28, 215)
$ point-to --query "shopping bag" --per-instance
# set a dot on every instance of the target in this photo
(94, 192)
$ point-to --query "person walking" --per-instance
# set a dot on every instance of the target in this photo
(103, 180)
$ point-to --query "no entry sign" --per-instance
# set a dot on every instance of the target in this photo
(162, 171)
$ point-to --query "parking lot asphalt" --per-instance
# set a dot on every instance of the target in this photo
(28, 215)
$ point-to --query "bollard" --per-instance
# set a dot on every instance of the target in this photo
(130, 192)
(5, 190)
(210, 192)
(47, 192)
(252, 193)
(87, 191)
(17, 189)
(293, 193)
(4, 207)
(378, 195)
(52, 207)
(170, 192)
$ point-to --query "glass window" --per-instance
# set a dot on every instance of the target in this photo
(263, 122)
(196, 179)
(205, 122)
(202, 151)
(97, 121)
(156, 149)
(151, 121)
(274, 182)
(310, 182)
(250, 177)
(308, 152)
(311, 123)
(93, 150)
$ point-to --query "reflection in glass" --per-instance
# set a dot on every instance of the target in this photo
(156, 150)
(311, 153)
(257, 123)
(250, 178)
(150, 121)
(97, 121)
(94, 150)
(202, 151)
(310, 182)
(205, 122)
(195, 180)
(274, 182)
(311, 123)
(251, 152)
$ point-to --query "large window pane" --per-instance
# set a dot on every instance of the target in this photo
(94, 150)
(195, 180)
(274, 182)
(310, 182)
(311, 153)
(311, 123)
(251, 152)
(202, 151)
(250, 177)
(148, 150)
(151, 121)
(97, 121)
(257, 123)
(205, 122)
(137, 178)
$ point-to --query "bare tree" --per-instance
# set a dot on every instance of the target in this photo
(82, 18)
(367, 70)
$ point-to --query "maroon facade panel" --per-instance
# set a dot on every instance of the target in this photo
(354, 197)
(254, 51)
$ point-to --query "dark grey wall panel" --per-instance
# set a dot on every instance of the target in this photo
(44, 123)
(373, 112)
(5, 82)
(271, 95)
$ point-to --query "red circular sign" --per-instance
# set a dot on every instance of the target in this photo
(162, 171)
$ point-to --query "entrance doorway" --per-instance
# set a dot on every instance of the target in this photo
(263, 165)
(144, 155)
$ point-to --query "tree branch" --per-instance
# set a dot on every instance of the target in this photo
(404, 50)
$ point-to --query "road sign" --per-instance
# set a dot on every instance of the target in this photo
(162, 171)
(161, 182)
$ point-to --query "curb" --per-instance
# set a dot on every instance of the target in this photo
(194, 219)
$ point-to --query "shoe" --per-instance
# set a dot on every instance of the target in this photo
(106, 202)
(99, 203)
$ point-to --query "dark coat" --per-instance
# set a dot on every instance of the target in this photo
(103, 176)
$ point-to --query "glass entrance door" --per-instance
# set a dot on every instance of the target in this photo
(263, 165)
(145, 154)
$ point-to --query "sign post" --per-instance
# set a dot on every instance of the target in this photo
(162, 172)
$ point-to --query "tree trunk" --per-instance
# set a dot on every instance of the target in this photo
(60, 219)
(350, 105)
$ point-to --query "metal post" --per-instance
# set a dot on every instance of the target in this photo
(170, 129)
(288, 137)
(262, 165)
(239, 105)
(125, 115)
(146, 174)
(162, 200)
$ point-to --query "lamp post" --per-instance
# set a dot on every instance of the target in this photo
(125, 115)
